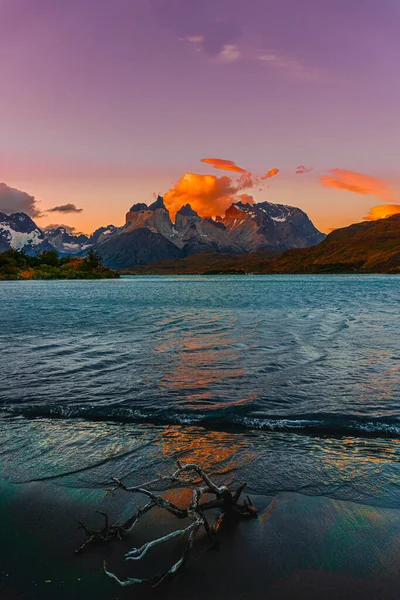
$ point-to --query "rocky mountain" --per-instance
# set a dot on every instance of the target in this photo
(149, 234)
(19, 232)
(139, 247)
(369, 247)
(101, 233)
(65, 241)
(270, 226)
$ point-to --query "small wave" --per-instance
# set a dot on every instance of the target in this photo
(353, 427)
(312, 425)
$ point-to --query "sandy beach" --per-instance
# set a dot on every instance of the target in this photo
(299, 547)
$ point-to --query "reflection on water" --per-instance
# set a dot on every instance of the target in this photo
(194, 374)
(217, 451)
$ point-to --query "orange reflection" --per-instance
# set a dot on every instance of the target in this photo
(201, 372)
(217, 452)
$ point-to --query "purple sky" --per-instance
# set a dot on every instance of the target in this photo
(104, 102)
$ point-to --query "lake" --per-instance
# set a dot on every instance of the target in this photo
(290, 383)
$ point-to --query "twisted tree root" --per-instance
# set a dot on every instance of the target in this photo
(225, 500)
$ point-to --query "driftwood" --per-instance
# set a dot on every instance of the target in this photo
(225, 500)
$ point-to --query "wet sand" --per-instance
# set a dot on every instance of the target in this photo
(299, 547)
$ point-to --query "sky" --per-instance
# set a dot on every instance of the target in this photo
(104, 103)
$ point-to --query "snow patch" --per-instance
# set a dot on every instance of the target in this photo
(19, 240)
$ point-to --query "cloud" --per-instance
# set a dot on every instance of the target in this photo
(191, 21)
(269, 174)
(66, 208)
(245, 198)
(230, 53)
(358, 183)
(12, 200)
(300, 170)
(382, 211)
(225, 165)
(290, 67)
(194, 39)
(208, 195)
(68, 228)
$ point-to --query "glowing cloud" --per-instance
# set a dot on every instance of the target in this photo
(270, 174)
(382, 211)
(300, 170)
(358, 183)
(210, 195)
(224, 165)
(207, 194)
(245, 198)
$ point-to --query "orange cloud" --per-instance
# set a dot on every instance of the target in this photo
(207, 194)
(269, 174)
(301, 169)
(382, 211)
(225, 165)
(245, 198)
(358, 183)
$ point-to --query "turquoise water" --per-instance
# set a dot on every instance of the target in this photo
(286, 382)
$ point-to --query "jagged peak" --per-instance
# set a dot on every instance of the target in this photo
(187, 211)
(17, 216)
(19, 221)
(159, 203)
(241, 204)
(235, 212)
(138, 207)
(273, 205)
(217, 223)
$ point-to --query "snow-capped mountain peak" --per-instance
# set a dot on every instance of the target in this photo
(19, 232)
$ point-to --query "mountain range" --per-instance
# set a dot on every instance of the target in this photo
(249, 238)
(368, 247)
(19, 232)
(149, 235)
(65, 241)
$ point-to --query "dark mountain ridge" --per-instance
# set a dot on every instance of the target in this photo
(368, 247)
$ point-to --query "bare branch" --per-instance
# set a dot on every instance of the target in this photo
(225, 500)
(138, 553)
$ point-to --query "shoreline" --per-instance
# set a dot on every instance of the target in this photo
(299, 547)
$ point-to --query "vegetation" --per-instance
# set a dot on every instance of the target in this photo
(370, 247)
(16, 264)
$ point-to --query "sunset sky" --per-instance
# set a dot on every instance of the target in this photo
(104, 103)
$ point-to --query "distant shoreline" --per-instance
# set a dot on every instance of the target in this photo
(218, 273)
(20, 266)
